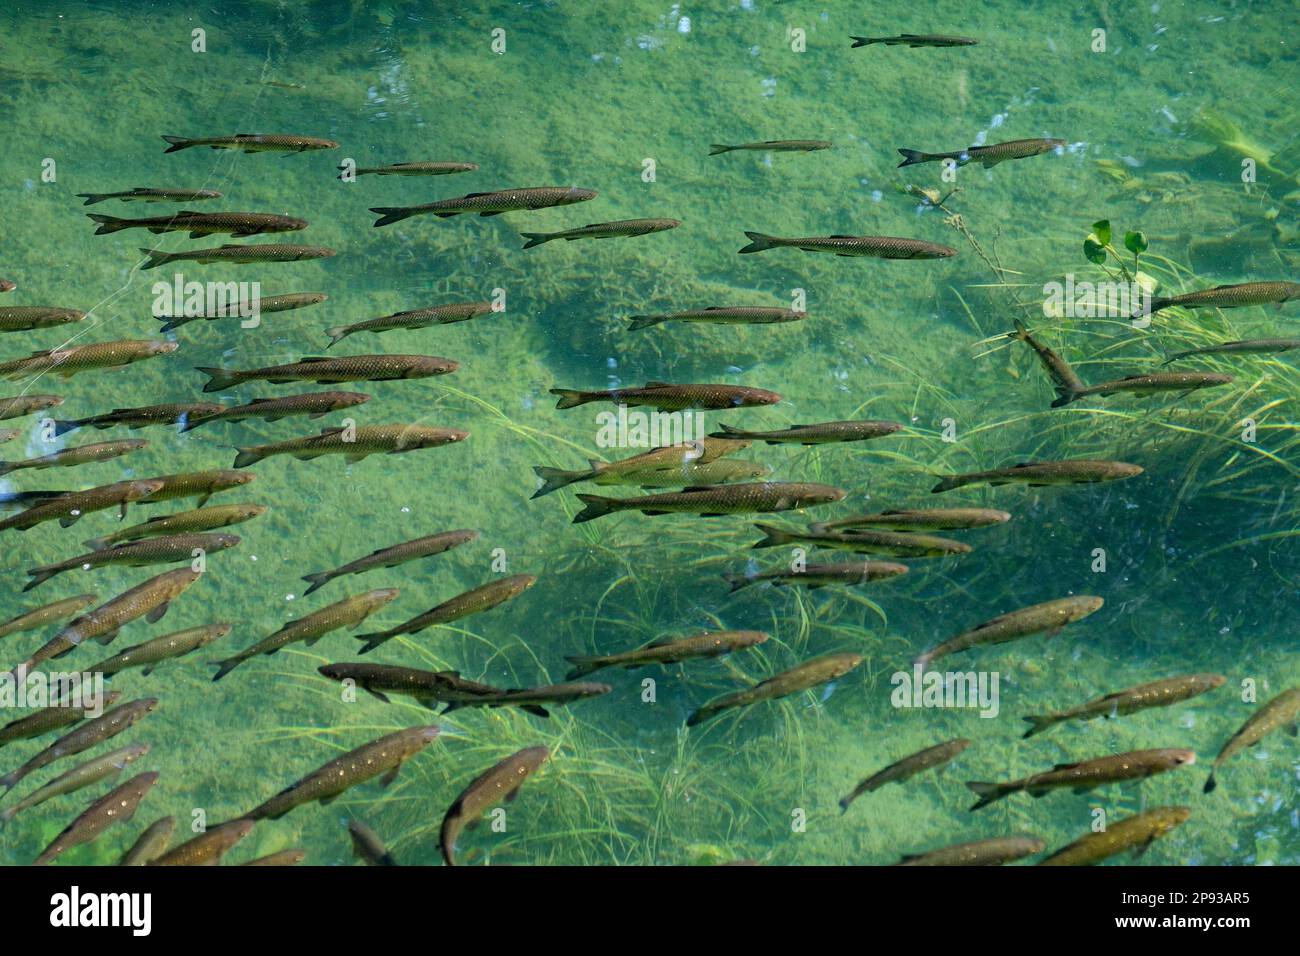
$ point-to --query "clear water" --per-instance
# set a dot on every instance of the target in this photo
(1201, 571)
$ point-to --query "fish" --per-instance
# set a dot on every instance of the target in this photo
(246, 308)
(488, 203)
(394, 556)
(107, 767)
(1160, 693)
(818, 434)
(355, 443)
(27, 318)
(1135, 833)
(908, 767)
(915, 40)
(7, 285)
(68, 507)
(429, 688)
(329, 371)
(1230, 296)
(811, 673)
(669, 651)
(1063, 376)
(146, 194)
(1147, 384)
(482, 598)
(309, 404)
(815, 576)
(177, 413)
(681, 457)
(720, 315)
(200, 484)
(150, 844)
(49, 719)
(149, 600)
(1087, 774)
(67, 361)
(385, 756)
(138, 554)
(1239, 347)
(413, 319)
(77, 455)
(368, 846)
(499, 784)
(310, 628)
(238, 254)
(531, 699)
(20, 406)
(290, 857)
(875, 247)
(208, 847)
(993, 852)
(202, 224)
(46, 614)
(1283, 711)
(9, 434)
(253, 143)
(412, 169)
(603, 230)
(116, 806)
(1049, 616)
(668, 397)
(184, 522)
(91, 733)
(918, 519)
(150, 654)
(774, 146)
(988, 156)
(712, 501)
(689, 474)
(1038, 474)
(864, 542)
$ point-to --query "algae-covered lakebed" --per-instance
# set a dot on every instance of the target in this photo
(1162, 161)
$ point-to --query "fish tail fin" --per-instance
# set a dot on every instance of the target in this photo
(9, 780)
(7, 814)
(716, 148)
(156, 258)
(218, 378)
(738, 581)
(948, 483)
(864, 41)
(7, 466)
(1154, 306)
(1067, 392)
(371, 641)
(644, 321)
(317, 581)
(581, 667)
(700, 715)
(39, 576)
(337, 334)
(225, 667)
(987, 792)
(1021, 331)
(570, 397)
(247, 456)
(596, 507)
(1038, 723)
(176, 143)
(97, 544)
(913, 156)
(91, 198)
(758, 242)
(390, 214)
(553, 479)
(1210, 784)
(775, 536)
(537, 238)
(108, 224)
(63, 427)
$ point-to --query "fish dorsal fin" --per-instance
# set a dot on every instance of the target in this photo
(1026, 464)
(331, 431)
(1065, 766)
(260, 401)
(314, 358)
(448, 673)
(840, 235)
(655, 384)
(701, 488)
(472, 195)
(189, 212)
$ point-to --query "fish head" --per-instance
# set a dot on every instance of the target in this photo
(224, 541)
(1170, 817)
(1213, 680)
(757, 396)
(293, 224)
(252, 511)
(1084, 605)
(845, 663)
(427, 733)
(162, 348)
(348, 399)
(1178, 758)
(381, 596)
(433, 365)
(578, 195)
(820, 495)
(135, 490)
(233, 479)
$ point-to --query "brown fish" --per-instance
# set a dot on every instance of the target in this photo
(488, 203)
(354, 443)
(7, 285)
(1147, 384)
(1037, 474)
(145, 194)
(309, 629)
(239, 254)
(291, 857)
(20, 406)
(382, 756)
(818, 434)
(690, 474)
(482, 598)
(1062, 374)
(197, 484)
(429, 688)
(245, 308)
(26, 318)
(77, 455)
(815, 576)
(1049, 616)
(92, 733)
(168, 647)
(309, 404)
(603, 230)
(819, 670)
(531, 699)
(253, 143)
(68, 507)
(201, 224)
(1231, 296)
(992, 852)
(67, 712)
(1239, 347)
(683, 457)
(116, 806)
(46, 614)
(1282, 711)
(893, 543)
(208, 847)
(1135, 833)
(498, 785)
(908, 767)
(368, 845)
(394, 556)
(165, 550)
(720, 315)
(150, 844)
(917, 519)
(774, 146)
(915, 40)
(181, 412)
(412, 169)
(107, 767)
(329, 371)
(874, 247)
(184, 522)
(669, 651)
(988, 156)
(712, 501)
(69, 360)
(413, 319)
(668, 397)
(1160, 693)
(1087, 775)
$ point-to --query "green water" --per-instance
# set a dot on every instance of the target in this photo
(1201, 571)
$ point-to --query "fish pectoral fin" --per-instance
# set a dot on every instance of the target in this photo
(377, 695)
(325, 801)
(388, 778)
(1143, 847)
(536, 710)
(354, 458)
(1065, 766)
(156, 615)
